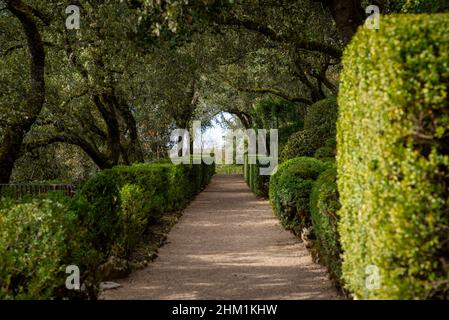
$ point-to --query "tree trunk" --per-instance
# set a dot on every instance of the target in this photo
(15, 134)
(348, 16)
(132, 152)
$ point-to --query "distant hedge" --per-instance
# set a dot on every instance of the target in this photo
(40, 237)
(324, 205)
(289, 191)
(256, 182)
(393, 159)
(168, 186)
(319, 126)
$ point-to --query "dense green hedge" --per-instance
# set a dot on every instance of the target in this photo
(168, 186)
(319, 127)
(393, 158)
(40, 237)
(256, 182)
(289, 191)
(324, 205)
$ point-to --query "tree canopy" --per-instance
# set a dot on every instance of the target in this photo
(111, 91)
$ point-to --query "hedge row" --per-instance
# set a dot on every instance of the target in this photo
(393, 159)
(324, 206)
(256, 182)
(289, 191)
(40, 237)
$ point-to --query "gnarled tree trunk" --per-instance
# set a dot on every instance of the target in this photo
(10, 148)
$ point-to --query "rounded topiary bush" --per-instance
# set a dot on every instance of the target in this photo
(298, 144)
(324, 153)
(289, 191)
(319, 127)
(322, 116)
(393, 159)
(324, 205)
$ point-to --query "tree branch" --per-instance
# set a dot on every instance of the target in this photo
(272, 91)
(271, 34)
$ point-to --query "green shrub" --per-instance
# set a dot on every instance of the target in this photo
(277, 113)
(30, 233)
(319, 127)
(324, 205)
(422, 6)
(159, 187)
(321, 118)
(256, 182)
(324, 153)
(393, 158)
(298, 144)
(40, 237)
(289, 191)
(37, 239)
(132, 217)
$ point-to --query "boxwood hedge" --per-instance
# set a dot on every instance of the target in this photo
(289, 191)
(324, 205)
(393, 159)
(255, 181)
(163, 187)
(319, 126)
(39, 237)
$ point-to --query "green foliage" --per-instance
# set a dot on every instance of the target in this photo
(289, 191)
(418, 6)
(278, 114)
(324, 205)
(393, 158)
(38, 239)
(324, 153)
(158, 188)
(229, 169)
(298, 144)
(32, 232)
(256, 182)
(132, 217)
(319, 127)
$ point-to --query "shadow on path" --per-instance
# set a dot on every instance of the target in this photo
(228, 245)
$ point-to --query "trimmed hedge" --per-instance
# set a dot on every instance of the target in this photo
(393, 158)
(256, 182)
(40, 237)
(170, 187)
(289, 191)
(319, 126)
(324, 205)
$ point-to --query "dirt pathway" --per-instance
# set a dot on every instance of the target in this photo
(228, 245)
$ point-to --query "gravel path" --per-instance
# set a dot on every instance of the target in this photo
(228, 245)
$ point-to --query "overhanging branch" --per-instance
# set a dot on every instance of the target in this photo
(271, 34)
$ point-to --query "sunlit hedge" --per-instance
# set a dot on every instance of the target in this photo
(40, 237)
(158, 188)
(393, 159)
